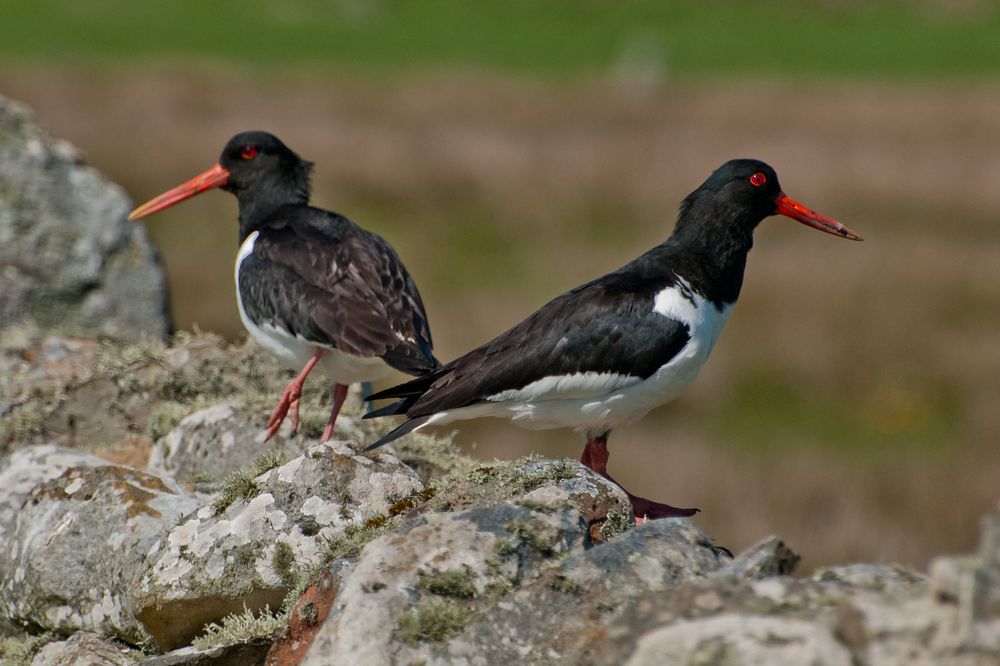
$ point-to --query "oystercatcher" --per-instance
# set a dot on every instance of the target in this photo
(312, 287)
(604, 354)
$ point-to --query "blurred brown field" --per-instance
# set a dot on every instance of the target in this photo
(850, 406)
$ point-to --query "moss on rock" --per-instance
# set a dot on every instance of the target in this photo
(433, 620)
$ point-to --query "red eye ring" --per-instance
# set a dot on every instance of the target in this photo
(758, 179)
(248, 152)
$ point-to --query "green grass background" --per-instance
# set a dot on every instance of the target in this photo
(552, 37)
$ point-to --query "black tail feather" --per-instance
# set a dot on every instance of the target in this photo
(405, 428)
(413, 388)
(389, 410)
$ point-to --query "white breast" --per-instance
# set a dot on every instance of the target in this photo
(295, 351)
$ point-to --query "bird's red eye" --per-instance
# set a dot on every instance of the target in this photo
(249, 152)
(758, 179)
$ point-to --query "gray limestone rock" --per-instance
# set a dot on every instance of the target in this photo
(768, 557)
(21, 471)
(741, 639)
(441, 560)
(248, 547)
(78, 544)
(414, 592)
(214, 442)
(513, 583)
(242, 654)
(69, 260)
(83, 648)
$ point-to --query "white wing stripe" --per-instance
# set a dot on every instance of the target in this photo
(567, 387)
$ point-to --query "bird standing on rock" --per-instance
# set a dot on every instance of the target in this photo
(312, 287)
(602, 355)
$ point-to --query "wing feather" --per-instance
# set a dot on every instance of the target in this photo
(319, 275)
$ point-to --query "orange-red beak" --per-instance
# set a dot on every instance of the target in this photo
(791, 208)
(214, 177)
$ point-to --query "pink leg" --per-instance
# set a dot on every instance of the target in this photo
(339, 395)
(585, 457)
(595, 456)
(290, 398)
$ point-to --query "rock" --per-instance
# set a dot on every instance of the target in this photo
(989, 538)
(414, 590)
(768, 557)
(70, 260)
(499, 583)
(242, 654)
(440, 560)
(78, 544)
(738, 639)
(212, 443)
(118, 398)
(545, 483)
(890, 580)
(305, 620)
(247, 549)
(23, 470)
(83, 648)
(969, 583)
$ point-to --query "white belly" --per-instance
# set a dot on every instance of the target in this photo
(294, 352)
(625, 401)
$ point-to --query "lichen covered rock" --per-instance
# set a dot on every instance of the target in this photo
(740, 639)
(21, 471)
(84, 648)
(415, 553)
(79, 543)
(415, 589)
(211, 443)
(248, 547)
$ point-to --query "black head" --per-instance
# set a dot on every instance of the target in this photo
(748, 185)
(258, 161)
(741, 193)
(255, 166)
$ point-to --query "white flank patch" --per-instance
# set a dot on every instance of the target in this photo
(597, 402)
(295, 351)
(566, 387)
(676, 302)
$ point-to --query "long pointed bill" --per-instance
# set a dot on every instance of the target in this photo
(214, 177)
(791, 208)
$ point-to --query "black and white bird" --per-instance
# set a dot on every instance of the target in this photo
(604, 354)
(312, 287)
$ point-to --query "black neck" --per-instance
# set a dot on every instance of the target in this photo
(709, 248)
(259, 201)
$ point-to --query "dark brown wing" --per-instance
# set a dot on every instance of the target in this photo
(317, 275)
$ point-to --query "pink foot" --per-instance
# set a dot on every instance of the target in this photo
(595, 456)
(290, 399)
(289, 402)
(645, 510)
